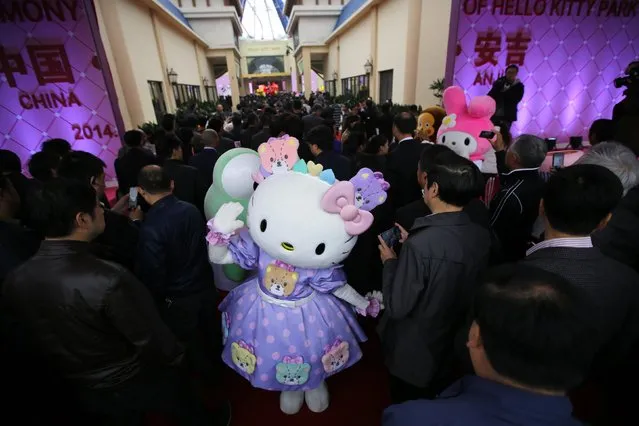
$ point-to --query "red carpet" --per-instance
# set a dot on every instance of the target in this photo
(358, 396)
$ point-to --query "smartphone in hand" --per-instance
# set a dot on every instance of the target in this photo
(558, 160)
(391, 236)
(133, 198)
(487, 134)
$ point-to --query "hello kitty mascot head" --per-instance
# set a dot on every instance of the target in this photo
(285, 329)
(462, 126)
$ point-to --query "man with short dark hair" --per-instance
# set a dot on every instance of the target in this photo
(188, 186)
(601, 130)
(205, 161)
(320, 142)
(57, 146)
(129, 165)
(217, 123)
(172, 261)
(578, 201)
(43, 166)
(530, 342)
(120, 237)
(168, 122)
(92, 321)
(507, 92)
(314, 119)
(265, 133)
(515, 208)
(403, 160)
(426, 291)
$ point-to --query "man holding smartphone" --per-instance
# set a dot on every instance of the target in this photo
(426, 289)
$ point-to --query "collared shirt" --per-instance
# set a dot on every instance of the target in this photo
(574, 242)
(520, 170)
(405, 139)
(475, 401)
(210, 147)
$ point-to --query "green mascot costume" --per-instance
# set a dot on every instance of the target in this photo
(232, 182)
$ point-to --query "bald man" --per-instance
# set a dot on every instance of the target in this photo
(205, 161)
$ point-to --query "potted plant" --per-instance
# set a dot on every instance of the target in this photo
(437, 88)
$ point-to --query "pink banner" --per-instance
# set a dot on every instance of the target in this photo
(569, 52)
(51, 80)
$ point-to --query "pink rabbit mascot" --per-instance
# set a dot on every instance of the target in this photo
(462, 126)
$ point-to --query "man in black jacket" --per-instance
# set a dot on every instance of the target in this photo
(265, 133)
(187, 184)
(313, 120)
(620, 238)
(129, 165)
(507, 92)
(515, 208)
(205, 161)
(402, 161)
(577, 202)
(427, 290)
(217, 124)
(172, 261)
(120, 237)
(320, 142)
(17, 243)
(91, 321)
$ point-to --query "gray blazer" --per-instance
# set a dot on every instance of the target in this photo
(427, 293)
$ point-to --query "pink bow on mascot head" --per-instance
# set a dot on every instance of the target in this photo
(340, 198)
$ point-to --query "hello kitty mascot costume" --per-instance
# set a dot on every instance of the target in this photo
(294, 324)
(460, 129)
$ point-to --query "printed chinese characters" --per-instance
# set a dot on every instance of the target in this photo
(488, 47)
(11, 64)
(50, 63)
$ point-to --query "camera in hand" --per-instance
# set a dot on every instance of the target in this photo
(628, 80)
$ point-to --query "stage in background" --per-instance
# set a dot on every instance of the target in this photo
(51, 81)
(569, 53)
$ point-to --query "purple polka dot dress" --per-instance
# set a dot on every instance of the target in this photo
(283, 329)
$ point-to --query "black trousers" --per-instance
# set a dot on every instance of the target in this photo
(194, 322)
(167, 391)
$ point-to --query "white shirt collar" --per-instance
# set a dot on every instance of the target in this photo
(572, 242)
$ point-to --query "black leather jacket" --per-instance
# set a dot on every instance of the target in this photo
(93, 320)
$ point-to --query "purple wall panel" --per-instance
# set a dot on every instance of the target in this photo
(51, 81)
(569, 53)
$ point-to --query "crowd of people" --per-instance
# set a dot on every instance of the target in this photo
(109, 306)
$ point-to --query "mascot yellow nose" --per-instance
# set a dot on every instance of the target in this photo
(288, 246)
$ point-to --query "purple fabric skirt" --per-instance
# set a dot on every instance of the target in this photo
(288, 348)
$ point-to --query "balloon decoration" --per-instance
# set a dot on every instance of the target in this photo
(267, 89)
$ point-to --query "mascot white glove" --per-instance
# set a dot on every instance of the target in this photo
(224, 224)
(226, 220)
